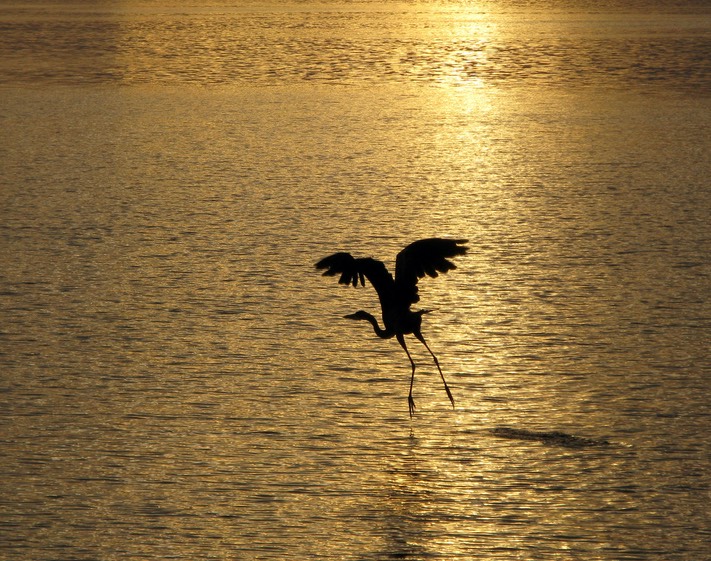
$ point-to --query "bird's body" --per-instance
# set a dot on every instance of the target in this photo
(398, 293)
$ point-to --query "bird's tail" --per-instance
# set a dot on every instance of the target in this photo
(427, 311)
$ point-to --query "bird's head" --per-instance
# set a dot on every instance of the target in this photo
(360, 314)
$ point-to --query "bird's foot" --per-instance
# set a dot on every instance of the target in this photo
(449, 395)
(411, 405)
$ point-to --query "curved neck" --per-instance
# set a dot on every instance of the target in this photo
(382, 333)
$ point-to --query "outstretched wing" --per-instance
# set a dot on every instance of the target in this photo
(354, 270)
(424, 257)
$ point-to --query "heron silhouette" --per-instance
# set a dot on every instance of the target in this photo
(424, 257)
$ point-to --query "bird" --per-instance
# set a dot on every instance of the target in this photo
(426, 257)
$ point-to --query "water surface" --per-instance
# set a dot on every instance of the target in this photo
(178, 381)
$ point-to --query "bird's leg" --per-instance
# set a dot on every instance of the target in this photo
(446, 387)
(410, 400)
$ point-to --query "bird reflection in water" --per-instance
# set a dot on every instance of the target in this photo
(424, 257)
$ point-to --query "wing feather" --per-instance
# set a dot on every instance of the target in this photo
(354, 270)
(427, 257)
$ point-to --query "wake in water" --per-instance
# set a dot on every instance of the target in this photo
(554, 438)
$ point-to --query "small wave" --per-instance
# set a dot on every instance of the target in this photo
(555, 438)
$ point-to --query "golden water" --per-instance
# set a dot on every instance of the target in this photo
(177, 379)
